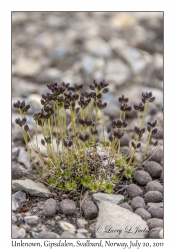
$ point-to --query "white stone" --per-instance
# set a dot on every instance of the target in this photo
(24, 158)
(31, 220)
(33, 188)
(117, 222)
(81, 223)
(27, 67)
(113, 198)
(161, 234)
(66, 226)
(17, 232)
(98, 47)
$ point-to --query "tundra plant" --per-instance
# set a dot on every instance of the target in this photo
(72, 151)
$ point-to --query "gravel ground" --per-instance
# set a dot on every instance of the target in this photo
(125, 49)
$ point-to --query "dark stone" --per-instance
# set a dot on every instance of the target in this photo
(154, 233)
(17, 172)
(153, 168)
(154, 222)
(154, 186)
(153, 196)
(138, 202)
(142, 177)
(156, 212)
(161, 177)
(133, 190)
(125, 140)
(159, 134)
(68, 206)
(49, 207)
(157, 156)
(127, 206)
(143, 213)
(89, 209)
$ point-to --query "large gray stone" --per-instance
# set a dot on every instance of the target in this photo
(33, 188)
(116, 199)
(117, 222)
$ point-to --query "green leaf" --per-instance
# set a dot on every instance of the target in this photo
(95, 186)
(66, 174)
(115, 179)
(70, 185)
(60, 186)
(129, 173)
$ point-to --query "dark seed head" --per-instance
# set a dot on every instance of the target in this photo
(154, 131)
(155, 143)
(110, 138)
(136, 107)
(108, 130)
(148, 127)
(152, 99)
(26, 127)
(24, 120)
(105, 90)
(133, 145)
(43, 142)
(92, 87)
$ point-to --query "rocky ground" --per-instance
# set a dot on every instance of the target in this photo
(125, 49)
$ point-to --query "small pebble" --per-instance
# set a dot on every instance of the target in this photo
(154, 222)
(49, 207)
(80, 236)
(142, 177)
(138, 202)
(31, 220)
(127, 206)
(153, 196)
(159, 204)
(82, 230)
(89, 209)
(154, 186)
(156, 212)
(18, 233)
(66, 226)
(153, 168)
(133, 190)
(45, 235)
(155, 233)
(143, 213)
(157, 156)
(67, 235)
(161, 234)
(68, 207)
(17, 172)
(81, 223)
